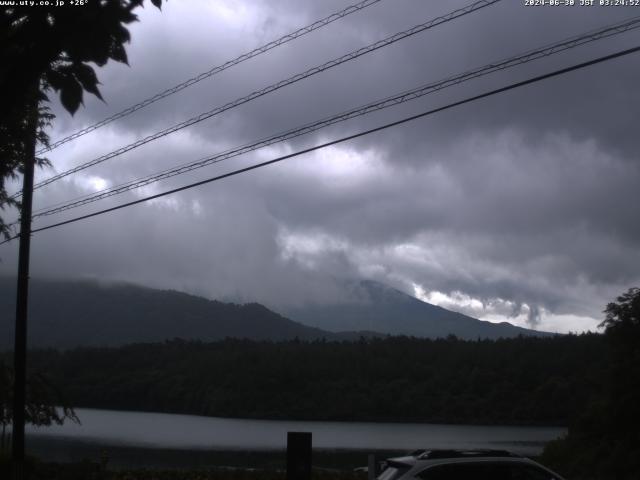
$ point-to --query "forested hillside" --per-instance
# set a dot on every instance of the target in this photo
(512, 381)
(66, 314)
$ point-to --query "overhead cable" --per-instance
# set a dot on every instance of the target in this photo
(276, 86)
(213, 71)
(512, 86)
(397, 99)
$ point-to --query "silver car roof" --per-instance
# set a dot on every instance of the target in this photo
(416, 464)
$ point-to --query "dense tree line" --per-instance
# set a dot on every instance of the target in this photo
(604, 439)
(510, 381)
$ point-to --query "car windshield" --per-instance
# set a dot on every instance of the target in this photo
(391, 473)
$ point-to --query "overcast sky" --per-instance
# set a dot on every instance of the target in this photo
(520, 207)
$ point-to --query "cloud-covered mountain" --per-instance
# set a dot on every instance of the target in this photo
(66, 314)
(379, 308)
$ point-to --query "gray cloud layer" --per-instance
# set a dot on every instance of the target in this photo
(525, 203)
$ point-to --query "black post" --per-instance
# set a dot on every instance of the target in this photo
(371, 466)
(298, 455)
(20, 345)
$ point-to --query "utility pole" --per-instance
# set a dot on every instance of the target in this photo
(22, 295)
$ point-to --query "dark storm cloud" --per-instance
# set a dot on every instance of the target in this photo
(524, 201)
(552, 219)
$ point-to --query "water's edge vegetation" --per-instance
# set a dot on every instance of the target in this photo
(589, 382)
(520, 381)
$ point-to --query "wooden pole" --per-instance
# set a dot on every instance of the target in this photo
(22, 298)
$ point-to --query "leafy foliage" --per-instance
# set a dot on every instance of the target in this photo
(604, 441)
(45, 404)
(625, 314)
(52, 48)
(14, 141)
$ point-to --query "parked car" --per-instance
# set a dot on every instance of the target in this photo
(464, 465)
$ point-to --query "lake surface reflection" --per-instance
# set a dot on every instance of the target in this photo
(189, 432)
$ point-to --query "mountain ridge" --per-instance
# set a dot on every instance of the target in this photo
(72, 313)
(378, 307)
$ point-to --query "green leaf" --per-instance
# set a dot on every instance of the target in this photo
(119, 54)
(55, 79)
(87, 78)
(121, 35)
(71, 94)
(100, 54)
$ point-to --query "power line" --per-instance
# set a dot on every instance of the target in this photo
(276, 86)
(347, 138)
(397, 99)
(215, 70)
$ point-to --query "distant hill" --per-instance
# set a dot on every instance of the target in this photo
(66, 314)
(380, 308)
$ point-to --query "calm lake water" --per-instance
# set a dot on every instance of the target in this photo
(188, 432)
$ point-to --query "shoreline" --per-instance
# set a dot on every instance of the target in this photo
(119, 457)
